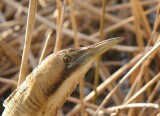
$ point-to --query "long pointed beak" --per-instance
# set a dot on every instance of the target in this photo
(95, 50)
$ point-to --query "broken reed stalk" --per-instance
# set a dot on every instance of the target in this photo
(45, 47)
(28, 38)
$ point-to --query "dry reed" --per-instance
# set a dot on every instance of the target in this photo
(126, 78)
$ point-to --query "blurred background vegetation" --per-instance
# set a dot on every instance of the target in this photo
(61, 24)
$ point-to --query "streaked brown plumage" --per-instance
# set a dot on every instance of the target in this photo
(49, 85)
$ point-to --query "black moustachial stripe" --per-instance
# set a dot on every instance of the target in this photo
(65, 74)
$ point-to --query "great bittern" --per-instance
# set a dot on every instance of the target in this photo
(48, 86)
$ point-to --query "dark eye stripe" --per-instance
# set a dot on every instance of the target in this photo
(66, 59)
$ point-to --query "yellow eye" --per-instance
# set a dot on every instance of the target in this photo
(66, 59)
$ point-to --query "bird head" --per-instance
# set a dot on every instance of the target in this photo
(75, 58)
(67, 66)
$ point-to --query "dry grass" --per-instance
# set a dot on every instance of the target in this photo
(124, 81)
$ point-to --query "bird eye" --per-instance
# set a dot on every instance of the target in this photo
(66, 59)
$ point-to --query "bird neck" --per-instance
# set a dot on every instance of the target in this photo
(57, 99)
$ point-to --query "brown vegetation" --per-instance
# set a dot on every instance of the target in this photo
(124, 81)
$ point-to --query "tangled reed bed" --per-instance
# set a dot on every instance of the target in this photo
(124, 81)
